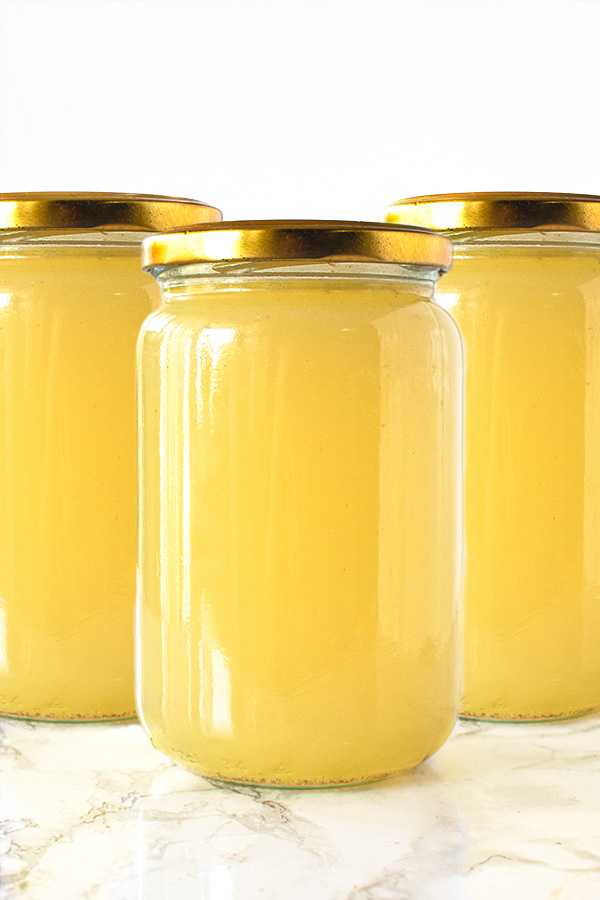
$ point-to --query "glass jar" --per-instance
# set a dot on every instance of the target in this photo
(72, 299)
(525, 291)
(300, 540)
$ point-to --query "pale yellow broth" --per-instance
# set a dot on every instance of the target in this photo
(69, 319)
(300, 529)
(530, 320)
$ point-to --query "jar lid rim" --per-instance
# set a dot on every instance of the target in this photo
(99, 211)
(498, 210)
(298, 239)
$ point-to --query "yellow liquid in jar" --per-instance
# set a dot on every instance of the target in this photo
(69, 319)
(530, 319)
(300, 540)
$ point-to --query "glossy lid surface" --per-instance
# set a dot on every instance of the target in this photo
(298, 240)
(498, 211)
(101, 212)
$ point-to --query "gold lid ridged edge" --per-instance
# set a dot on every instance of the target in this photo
(498, 211)
(280, 240)
(101, 212)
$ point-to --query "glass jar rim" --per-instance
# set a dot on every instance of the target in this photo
(298, 240)
(498, 211)
(80, 211)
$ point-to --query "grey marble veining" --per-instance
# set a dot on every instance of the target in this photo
(502, 812)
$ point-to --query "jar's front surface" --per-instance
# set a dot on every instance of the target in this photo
(72, 300)
(300, 521)
(527, 301)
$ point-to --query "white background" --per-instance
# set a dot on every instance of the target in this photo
(295, 108)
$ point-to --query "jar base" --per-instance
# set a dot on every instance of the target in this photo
(69, 720)
(306, 785)
(551, 717)
(291, 782)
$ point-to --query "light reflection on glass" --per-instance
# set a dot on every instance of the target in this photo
(210, 347)
(3, 639)
(164, 513)
(447, 299)
(186, 524)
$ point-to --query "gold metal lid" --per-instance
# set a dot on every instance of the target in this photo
(328, 241)
(101, 212)
(498, 211)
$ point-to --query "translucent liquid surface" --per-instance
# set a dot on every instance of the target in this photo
(300, 542)
(530, 319)
(69, 319)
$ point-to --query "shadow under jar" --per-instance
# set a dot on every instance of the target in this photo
(72, 300)
(300, 539)
(525, 291)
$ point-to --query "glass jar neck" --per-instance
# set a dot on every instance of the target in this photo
(45, 237)
(175, 281)
(467, 242)
(24, 244)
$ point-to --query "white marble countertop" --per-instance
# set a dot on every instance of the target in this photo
(501, 812)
